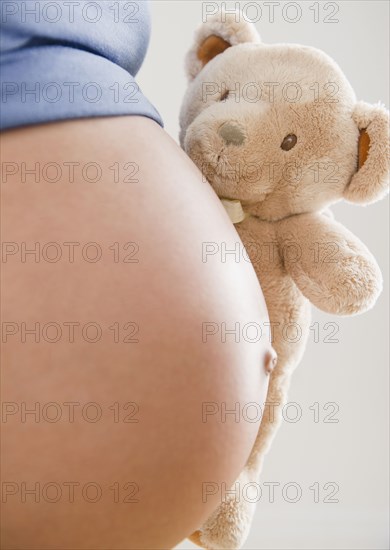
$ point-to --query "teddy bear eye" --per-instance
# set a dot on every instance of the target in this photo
(289, 142)
(224, 96)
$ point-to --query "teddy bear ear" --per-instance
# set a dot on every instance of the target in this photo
(370, 183)
(219, 32)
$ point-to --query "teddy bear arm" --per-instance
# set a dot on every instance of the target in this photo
(330, 265)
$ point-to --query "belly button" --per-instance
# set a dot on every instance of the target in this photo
(270, 361)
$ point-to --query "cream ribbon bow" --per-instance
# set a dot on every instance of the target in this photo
(234, 210)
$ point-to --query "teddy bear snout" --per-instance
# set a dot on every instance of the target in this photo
(231, 133)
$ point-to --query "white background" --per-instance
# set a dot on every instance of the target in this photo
(353, 373)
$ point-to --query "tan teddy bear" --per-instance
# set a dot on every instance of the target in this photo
(277, 131)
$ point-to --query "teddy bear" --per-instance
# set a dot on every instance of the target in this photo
(277, 131)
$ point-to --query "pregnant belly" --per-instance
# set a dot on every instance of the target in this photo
(128, 337)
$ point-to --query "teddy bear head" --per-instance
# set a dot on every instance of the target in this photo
(278, 127)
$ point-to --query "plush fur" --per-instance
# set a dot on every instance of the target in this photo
(235, 136)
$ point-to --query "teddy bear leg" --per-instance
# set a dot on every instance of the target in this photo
(228, 527)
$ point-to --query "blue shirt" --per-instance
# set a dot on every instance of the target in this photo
(70, 59)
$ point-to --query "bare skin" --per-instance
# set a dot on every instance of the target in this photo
(170, 373)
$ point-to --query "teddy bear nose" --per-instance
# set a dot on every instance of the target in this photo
(231, 133)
